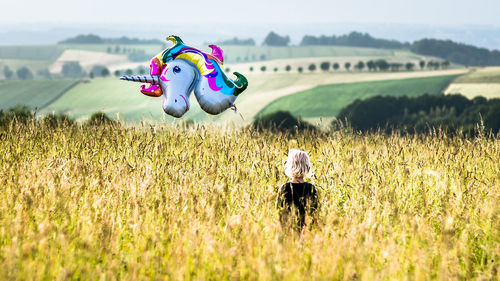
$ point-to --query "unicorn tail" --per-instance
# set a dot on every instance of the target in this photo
(241, 83)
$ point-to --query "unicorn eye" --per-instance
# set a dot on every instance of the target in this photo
(177, 69)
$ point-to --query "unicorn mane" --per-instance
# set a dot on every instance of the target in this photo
(209, 65)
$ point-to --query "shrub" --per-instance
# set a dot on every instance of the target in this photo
(54, 120)
(281, 121)
(100, 119)
(300, 69)
(312, 67)
(19, 114)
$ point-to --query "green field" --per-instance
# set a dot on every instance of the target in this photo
(114, 96)
(42, 52)
(328, 100)
(33, 93)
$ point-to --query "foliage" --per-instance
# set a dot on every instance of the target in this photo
(325, 66)
(300, 69)
(288, 68)
(237, 42)
(72, 69)
(163, 203)
(55, 120)
(280, 121)
(336, 66)
(354, 38)
(94, 39)
(8, 73)
(347, 65)
(273, 39)
(263, 68)
(312, 67)
(328, 100)
(456, 52)
(24, 73)
(100, 119)
(20, 114)
(418, 114)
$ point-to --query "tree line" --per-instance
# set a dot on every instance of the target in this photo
(353, 39)
(418, 114)
(95, 39)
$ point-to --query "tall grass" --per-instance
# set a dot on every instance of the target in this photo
(198, 204)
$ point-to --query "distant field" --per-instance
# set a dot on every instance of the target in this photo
(328, 100)
(481, 82)
(33, 65)
(44, 52)
(33, 93)
(114, 96)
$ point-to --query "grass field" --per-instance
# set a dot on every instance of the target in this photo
(42, 52)
(328, 100)
(198, 204)
(480, 82)
(33, 93)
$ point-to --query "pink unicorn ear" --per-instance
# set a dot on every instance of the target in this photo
(217, 52)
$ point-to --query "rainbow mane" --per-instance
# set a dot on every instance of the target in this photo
(209, 65)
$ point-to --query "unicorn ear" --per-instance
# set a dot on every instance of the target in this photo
(176, 40)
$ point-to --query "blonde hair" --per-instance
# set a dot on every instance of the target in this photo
(297, 165)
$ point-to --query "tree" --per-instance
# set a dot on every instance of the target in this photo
(360, 65)
(117, 49)
(227, 69)
(72, 69)
(347, 65)
(312, 67)
(117, 73)
(409, 66)
(288, 68)
(395, 66)
(262, 57)
(141, 70)
(44, 73)
(273, 39)
(382, 64)
(445, 64)
(24, 73)
(263, 68)
(251, 68)
(109, 50)
(371, 65)
(91, 75)
(421, 64)
(336, 66)
(300, 69)
(275, 69)
(325, 66)
(105, 72)
(8, 73)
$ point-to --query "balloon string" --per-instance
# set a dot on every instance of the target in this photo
(235, 109)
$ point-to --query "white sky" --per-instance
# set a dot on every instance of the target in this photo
(481, 12)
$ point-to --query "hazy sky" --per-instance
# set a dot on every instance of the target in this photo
(452, 12)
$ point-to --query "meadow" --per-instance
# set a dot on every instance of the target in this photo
(32, 93)
(197, 203)
(328, 100)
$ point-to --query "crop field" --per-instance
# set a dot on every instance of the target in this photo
(197, 203)
(32, 93)
(481, 82)
(328, 100)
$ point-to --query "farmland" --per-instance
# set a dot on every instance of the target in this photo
(327, 100)
(198, 204)
(32, 93)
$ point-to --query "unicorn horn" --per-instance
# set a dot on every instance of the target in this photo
(154, 80)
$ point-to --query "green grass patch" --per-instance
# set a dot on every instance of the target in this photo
(33, 93)
(114, 96)
(42, 52)
(328, 100)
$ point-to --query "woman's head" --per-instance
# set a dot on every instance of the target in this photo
(298, 164)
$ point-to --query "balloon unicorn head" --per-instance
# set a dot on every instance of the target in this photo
(180, 69)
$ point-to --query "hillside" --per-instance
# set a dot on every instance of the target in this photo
(327, 100)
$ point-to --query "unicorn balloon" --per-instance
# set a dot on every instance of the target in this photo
(180, 69)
